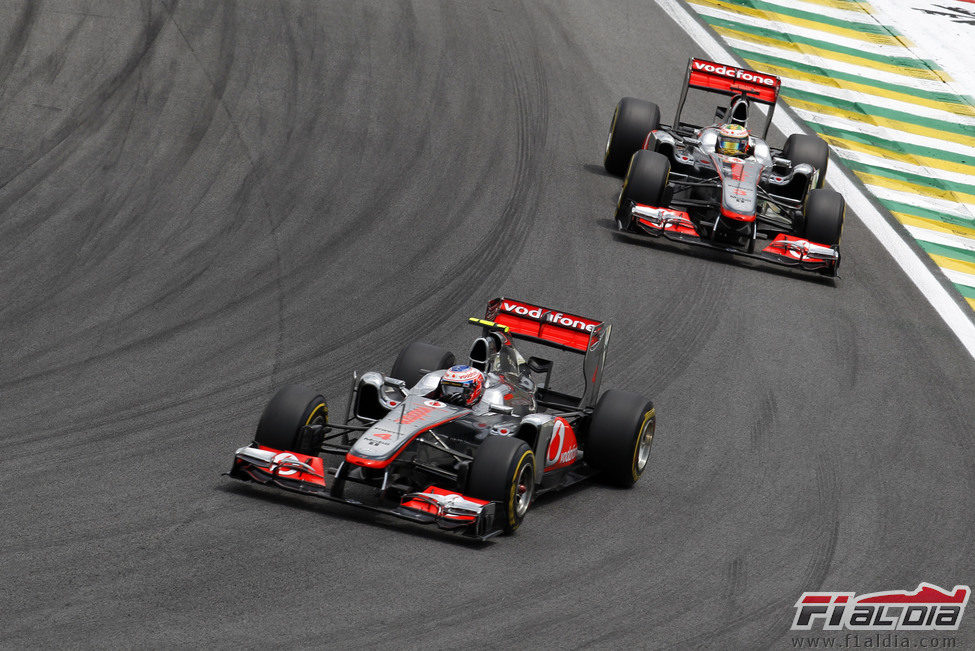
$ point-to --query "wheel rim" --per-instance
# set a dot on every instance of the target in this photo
(524, 489)
(317, 416)
(645, 442)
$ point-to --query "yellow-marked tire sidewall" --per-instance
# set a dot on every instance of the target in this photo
(626, 182)
(649, 420)
(612, 132)
(290, 410)
(320, 407)
(512, 515)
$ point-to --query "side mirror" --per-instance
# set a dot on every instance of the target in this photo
(805, 168)
(781, 163)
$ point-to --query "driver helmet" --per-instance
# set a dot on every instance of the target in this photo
(732, 140)
(461, 385)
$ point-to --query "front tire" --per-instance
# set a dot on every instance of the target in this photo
(824, 213)
(802, 148)
(283, 422)
(645, 182)
(620, 436)
(503, 471)
(632, 121)
(418, 359)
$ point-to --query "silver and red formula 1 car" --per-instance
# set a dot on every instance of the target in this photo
(408, 450)
(762, 203)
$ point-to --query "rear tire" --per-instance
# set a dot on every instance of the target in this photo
(620, 436)
(503, 470)
(824, 214)
(645, 182)
(801, 148)
(287, 414)
(632, 121)
(418, 359)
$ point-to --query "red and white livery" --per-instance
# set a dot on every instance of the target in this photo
(463, 447)
(721, 186)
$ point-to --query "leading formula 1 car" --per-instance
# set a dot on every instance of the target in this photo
(697, 185)
(432, 444)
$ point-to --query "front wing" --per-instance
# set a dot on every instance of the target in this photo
(786, 250)
(300, 473)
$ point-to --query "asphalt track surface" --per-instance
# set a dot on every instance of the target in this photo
(205, 200)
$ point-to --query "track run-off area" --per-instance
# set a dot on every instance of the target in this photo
(203, 201)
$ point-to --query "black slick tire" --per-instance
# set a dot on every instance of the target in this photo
(418, 359)
(620, 436)
(824, 213)
(645, 182)
(287, 414)
(503, 471)
(802, 148)
(633, 119)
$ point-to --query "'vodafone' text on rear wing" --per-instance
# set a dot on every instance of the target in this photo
(561, 330)
(732, 81)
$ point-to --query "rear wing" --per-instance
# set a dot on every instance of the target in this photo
(561, 330)
(731, 81)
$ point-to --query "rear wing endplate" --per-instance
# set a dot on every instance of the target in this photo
(561, 330)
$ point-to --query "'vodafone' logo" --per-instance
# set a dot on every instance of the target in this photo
(434, 404)
(558, 318)
(734, 73)
(555, 454)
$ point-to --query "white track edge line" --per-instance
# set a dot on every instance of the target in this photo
(943, 303)
(959, 277)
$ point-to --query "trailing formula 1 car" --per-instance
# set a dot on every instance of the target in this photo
(463, 447)
(721, 186)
